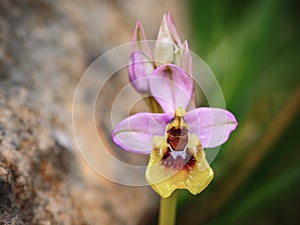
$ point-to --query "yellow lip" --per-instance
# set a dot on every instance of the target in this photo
(166, 172)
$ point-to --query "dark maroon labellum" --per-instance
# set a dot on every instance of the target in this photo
(177, 138)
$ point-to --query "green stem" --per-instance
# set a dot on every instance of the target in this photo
(167, 211)
(153, 104)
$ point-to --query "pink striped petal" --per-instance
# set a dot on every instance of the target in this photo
(187, 62)
(140, 68)
(135, 133)
(139, 40)
(171, 87)
(212, 125)
(187, 65)
(173, 30)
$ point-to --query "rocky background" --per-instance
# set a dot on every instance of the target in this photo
(45, 47)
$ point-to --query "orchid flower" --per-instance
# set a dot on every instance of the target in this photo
(176, 139)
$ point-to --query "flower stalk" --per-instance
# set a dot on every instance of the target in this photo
(167, 210)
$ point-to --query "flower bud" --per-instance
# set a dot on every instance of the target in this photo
(140, 68)
(168, 44)
(163, 51)
(173, 31)
(139, 41)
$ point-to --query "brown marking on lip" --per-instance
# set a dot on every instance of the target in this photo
(177, 138)
(179, 163)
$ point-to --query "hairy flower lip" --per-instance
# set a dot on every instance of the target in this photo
(166, 175)
(178, 153)
(178, 160)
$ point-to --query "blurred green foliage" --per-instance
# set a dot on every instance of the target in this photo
(254, 50)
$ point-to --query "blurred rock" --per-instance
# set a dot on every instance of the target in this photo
(45, 46)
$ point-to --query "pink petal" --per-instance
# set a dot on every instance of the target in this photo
(187, 62)
(212, 125)
(187, 65)
(140, 68)
(135, 133)
(139, 40)
(173, 29)
(171, 87)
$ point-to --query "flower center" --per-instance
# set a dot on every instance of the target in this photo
(177, 131)
(178, 155)
(177, 138)
(183, 160)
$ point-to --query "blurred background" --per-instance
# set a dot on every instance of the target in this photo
(251, 46)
